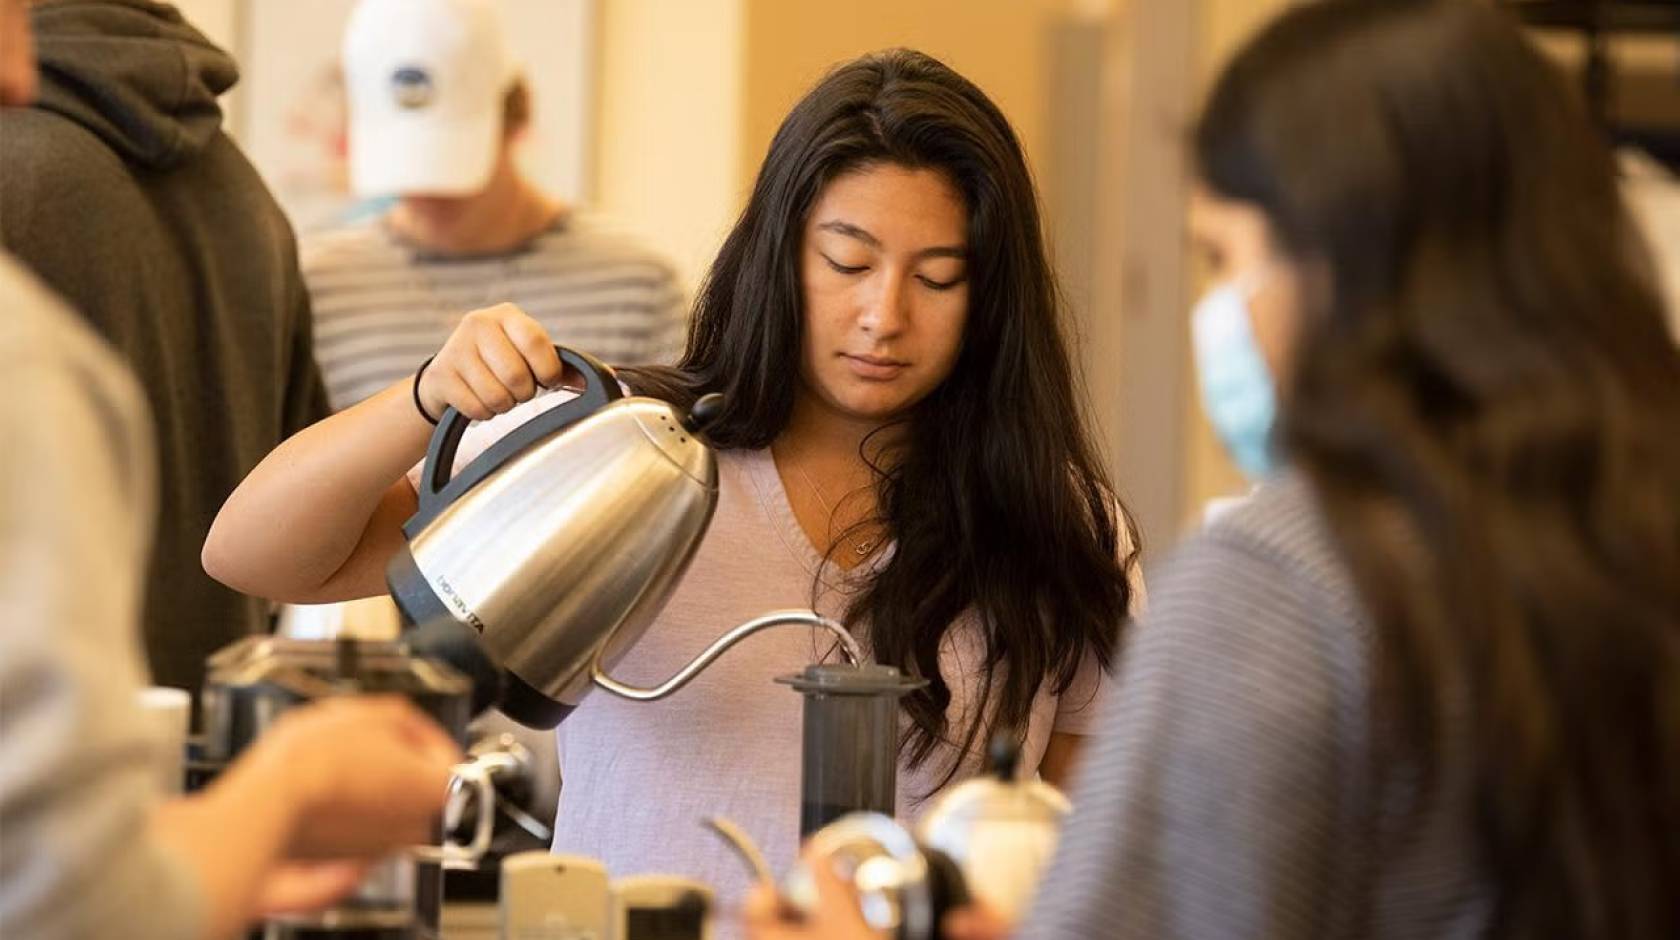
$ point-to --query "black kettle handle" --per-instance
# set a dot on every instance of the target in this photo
(438, 487)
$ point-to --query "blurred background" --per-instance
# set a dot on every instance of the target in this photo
(656, 113)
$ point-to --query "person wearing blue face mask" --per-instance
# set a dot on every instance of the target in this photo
(1421, 683)
(1425, 682)
(1232, 375)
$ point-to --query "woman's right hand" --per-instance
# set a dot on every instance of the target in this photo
(496, 358)
(321, 517)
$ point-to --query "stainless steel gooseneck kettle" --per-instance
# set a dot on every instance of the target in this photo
(560, 544)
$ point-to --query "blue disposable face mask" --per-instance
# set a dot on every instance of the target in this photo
(1236, 386)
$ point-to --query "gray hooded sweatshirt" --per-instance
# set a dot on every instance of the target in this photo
(120, 190)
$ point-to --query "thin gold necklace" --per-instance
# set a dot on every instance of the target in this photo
(861, 549)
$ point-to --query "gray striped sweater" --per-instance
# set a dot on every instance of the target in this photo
(382, 306)
(1237, 787)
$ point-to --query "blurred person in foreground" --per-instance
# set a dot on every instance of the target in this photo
(1426, 682)
(89, 848)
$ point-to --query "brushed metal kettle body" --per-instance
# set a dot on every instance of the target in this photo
(560, 544)
(562, 541)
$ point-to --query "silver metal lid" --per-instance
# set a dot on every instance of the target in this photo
(845, 679)
(664, 427)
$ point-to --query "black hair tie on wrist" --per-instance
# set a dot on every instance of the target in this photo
(417, 406)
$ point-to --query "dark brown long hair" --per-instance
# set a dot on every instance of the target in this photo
(1488, 405)
(998, 504)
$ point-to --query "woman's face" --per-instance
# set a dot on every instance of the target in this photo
(885, 280)
(1236, 241)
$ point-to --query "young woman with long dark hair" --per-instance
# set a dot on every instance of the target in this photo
(902, 445)
(1426, 682)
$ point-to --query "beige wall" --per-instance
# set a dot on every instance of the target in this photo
(668, 160)
(998, 44)
(691, 92)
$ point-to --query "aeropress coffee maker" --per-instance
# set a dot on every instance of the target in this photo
(849, 740)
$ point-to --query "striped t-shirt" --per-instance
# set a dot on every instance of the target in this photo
(1237, 786)
(382, 306)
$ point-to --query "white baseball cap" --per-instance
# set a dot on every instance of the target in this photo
(426, 81)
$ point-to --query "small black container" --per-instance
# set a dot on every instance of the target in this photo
(850, 741)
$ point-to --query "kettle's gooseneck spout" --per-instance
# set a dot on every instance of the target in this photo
(777, 618)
